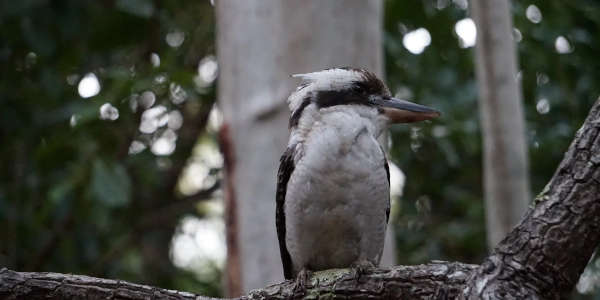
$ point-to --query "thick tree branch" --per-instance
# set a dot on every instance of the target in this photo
(541, 258)
(25, 285)
(437, 280)
(544, 255)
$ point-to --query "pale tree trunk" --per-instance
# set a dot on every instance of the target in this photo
(506, 181)
(259, 45)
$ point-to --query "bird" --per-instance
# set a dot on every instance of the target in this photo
(332, 196)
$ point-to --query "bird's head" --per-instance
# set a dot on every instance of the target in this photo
(354, 89)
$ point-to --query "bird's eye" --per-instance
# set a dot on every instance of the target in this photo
(359, 87)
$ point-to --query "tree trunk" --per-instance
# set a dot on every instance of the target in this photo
(541, 258)
(506, 181)
(259, 45)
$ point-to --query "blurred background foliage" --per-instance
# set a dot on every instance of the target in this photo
(103, 104)
(109, 161)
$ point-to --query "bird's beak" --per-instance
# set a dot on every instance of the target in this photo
(402, 111)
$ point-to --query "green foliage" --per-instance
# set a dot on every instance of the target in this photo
(73, 198)
(443, 169)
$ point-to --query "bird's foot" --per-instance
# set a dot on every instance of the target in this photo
(363, 267)
(302, 280)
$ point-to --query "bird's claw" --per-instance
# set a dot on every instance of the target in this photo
(363, 268)
(302, 280)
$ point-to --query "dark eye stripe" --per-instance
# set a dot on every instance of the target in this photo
(332, 98)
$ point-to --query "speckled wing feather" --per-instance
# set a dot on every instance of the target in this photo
(286, 168)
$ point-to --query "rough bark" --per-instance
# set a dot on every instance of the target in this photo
(506, 180)
(437, 280)
(259, 45)
(541, 258)
(544, 255)
(29, 285)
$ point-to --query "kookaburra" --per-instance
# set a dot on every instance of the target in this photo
(333, 192)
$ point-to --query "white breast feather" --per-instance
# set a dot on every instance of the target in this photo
(338, 194)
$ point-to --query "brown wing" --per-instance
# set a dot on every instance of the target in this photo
(286, 167)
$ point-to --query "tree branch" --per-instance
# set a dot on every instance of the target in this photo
(541, 258)
(434, 280)
(545, 254)
(26, 285)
